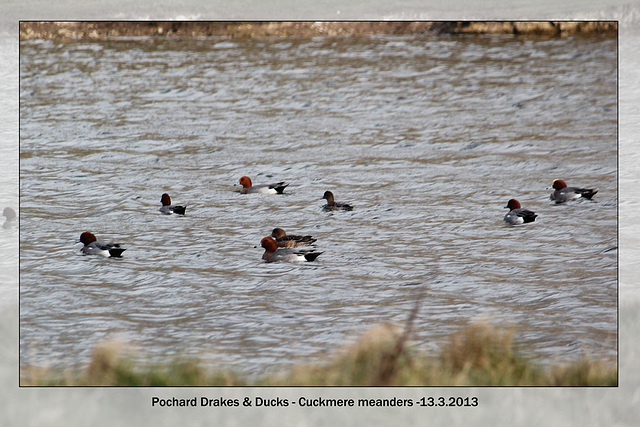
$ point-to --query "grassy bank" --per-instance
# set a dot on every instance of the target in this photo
(235, 29)
(478, 355)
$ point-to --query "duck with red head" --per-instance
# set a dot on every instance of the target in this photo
(93, 247)
(168, 209)
(562, 193)
(273, 254)
(518, 215)
(248, 187)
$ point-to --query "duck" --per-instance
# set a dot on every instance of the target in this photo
(290, 241)
(167, 208)
(10, 216)
(332, 205)
(273, 254)
(518, 215)
(93, 247)
(248, 187)
(563, 193)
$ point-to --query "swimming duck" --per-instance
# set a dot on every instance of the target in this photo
(167, 208)
(518, 215)
(563, 193)
(248, 187)
(290, 241)
(93, 247)
(273, 254)
(332, 205)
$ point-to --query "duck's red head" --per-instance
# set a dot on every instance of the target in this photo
(559, 184)
(87, 238)
(245, 181)
(269, 244)
(513, 204)
(165, 200)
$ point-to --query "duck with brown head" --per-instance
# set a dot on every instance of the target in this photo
(518, 215)
(93, 247)
(168, 209)
(563, 193)
(248, 187)
(274, 254)
(332, 205)
(285, 240)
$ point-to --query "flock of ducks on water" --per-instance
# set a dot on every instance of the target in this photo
(280, 246)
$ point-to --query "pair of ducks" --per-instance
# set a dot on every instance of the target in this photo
(278, 246)
(278, 188)
(562, 193)
(282, 247)
(113, 250)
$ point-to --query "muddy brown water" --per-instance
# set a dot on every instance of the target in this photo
(427, 137)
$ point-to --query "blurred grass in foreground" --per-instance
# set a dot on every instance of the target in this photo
(479, 355)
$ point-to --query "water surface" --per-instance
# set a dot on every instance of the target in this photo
(427, 137)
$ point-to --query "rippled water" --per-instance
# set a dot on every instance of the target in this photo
(426, 137)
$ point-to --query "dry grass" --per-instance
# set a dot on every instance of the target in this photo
(478, 355)
(112, 364)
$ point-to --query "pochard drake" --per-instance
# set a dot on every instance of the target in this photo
(332, 205)
(563, 193)
(10, 216)
(290, 241)
(273, 254)
(167, 208)
(93, 247)
(517, 215)
(248, 187)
